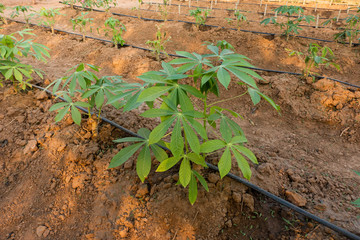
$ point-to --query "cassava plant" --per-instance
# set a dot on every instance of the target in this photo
(81, 22)
(70, 2)
(158, 45)
(23, 10)
(12, 49)
(222, 44)
(48, 17)
(164, 10)
(116, 29)
(291, 25)
(200, 16)
(239, 19)
(316, 56)
(352, 28)
(106, 4)
(82, 88)
(186, 124)
(2, 17)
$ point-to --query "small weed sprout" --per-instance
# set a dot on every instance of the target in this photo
(291, 25)
(11, 50)
(352, 28)
(23, 10)
(81, 22)
(2, 17)
(316, 57)
(48, 16)
(115, 28)
(239, 19)
(158, 45)
(200, 16)
(70, 2)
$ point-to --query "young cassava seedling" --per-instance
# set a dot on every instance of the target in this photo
(138, 9)
(11, 50)
(200, 16)
(164, 10)
(81, 22)
(23, 10)
(185, 126)
(239, 19)
(115, 28)
(292, 24)
(2, 17)
(93, 91)
(48, 17)
(158, 45)
(351, 31)
(316, 57)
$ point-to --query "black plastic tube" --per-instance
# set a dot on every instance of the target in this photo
(236, 178)
(175, 55)
(215, 26)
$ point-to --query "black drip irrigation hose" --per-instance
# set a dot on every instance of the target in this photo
(233, 176)
(175, 55)
(214, 26)
(325, 9)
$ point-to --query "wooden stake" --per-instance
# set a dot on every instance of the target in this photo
(260, 3)
(189, 3)
(331, 2)
(211, 4)
(347, 11)
(286, 2)
(179, 9)
(316, 6)
(265, 10)
(215, 2)
(317, 20)
(337, 19)
(304, 2)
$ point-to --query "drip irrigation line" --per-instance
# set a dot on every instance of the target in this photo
(325, 9)
(233, 176)
(260, 13)
(215, 26)
(176, 55)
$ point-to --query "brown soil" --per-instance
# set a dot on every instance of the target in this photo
(54, 178)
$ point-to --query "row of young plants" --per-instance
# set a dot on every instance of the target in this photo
(185, 127)
(291, 26)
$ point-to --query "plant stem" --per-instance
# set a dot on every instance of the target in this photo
(228, 99)
(205, 110)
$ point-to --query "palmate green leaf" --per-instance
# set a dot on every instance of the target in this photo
(193, 190)
(132, 102)
(224, 164)
(124, 155)
(211, 146)
(177, 141)
(197, 127)
(152, 113)
(57, 106)
(191, 90)
(224, 77)
(198, 159)
(82, 104)
(237, 71)
(191, 137)
(225, 130)
(143, 163)
(242, 163)
(159, 153)
(356, 202)
(255, 97)
(249, 154)
(185, 172)
(75, 115)
(99, 99)
(238, 139)
(61, 114)
(201, 180)
(167, 164)
(185, 102)
(151, 93)
(129, 139)
(18, 75)
(160, 130)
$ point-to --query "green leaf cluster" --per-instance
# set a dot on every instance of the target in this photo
(158, 45)
(115, 28)
(292, 25)
(81, 22)
(185, 125)
(200, 15)
(12, 49)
